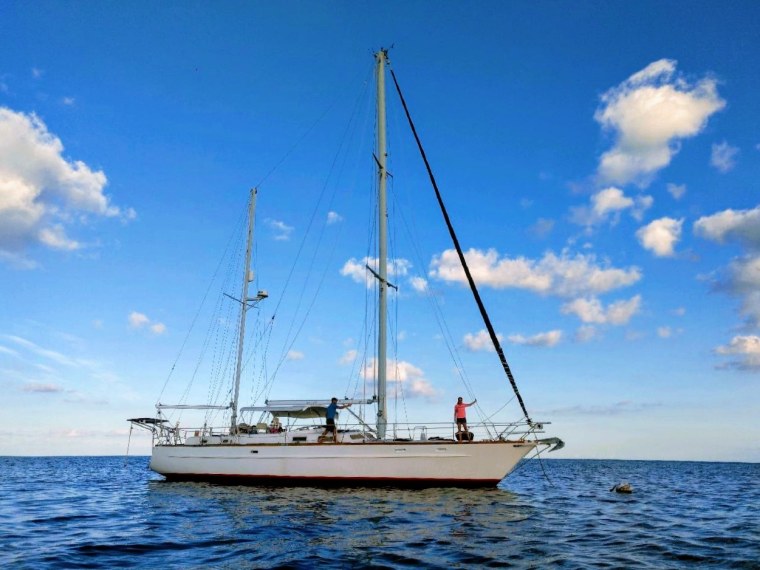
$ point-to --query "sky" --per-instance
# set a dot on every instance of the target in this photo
(600, 162)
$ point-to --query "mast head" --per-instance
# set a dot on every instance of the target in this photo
(383, 53)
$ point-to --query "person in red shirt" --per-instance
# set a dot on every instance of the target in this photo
(460, 417)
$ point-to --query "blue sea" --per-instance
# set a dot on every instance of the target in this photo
(108, 512)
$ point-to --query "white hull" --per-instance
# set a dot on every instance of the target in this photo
(378, 463)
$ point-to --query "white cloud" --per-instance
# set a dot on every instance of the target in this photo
(405, 376)
(542, 228)
(723, 156)
(44, 352)
(550, 338)
(42, 194)
(480, 341)
(585, 333)
(664, 332)
(348, 357)
(357, 269)
(679, 312)
(139, 320)
(744, 282)
(649, 113)
(591, 310)
(607, 205)
(37, 73)
(294, 355)
(642, 204)
(743, 225)
(563, 276)
(743, 273)
(676, 190)
(746, 349)
(334, 218)
(660, 236)
(55, 238)
(9, 351)
(610, 200)
(68, 101)
(158, 328)
(282, 231)
(419, 284)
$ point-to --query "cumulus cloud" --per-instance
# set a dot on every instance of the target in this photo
(281, 230)
(660, 236)
(742, 276)
(742, 225)
(405, 376)
(591, 310)
(480, 341)
(42, 194)
(564, 275)
(357, 269)
(139, 320)
(550, 338)
(744, 282)
(723, 156)
(649, 113)
(348, 357)
(585, 333)
(676, 190)
(334, 218)
(158, 328)
(745, 350)
(419, 284)
(607, 204)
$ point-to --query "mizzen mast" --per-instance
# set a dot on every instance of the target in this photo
(244, 300)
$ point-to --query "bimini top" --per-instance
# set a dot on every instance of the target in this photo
(301, 409)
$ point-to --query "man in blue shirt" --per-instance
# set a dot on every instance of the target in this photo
(331, 411)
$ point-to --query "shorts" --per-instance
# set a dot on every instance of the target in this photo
(461, 421)
(330, 425)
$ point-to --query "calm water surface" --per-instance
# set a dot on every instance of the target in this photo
(103, 512)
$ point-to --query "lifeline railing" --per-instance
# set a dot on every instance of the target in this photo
(165, 433)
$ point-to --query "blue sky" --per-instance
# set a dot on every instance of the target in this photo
(600, 162)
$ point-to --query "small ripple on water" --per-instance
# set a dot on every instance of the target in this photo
(105, 516)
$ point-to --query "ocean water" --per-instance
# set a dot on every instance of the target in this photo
(105, 512)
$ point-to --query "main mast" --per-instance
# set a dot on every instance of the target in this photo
(247, 278)
(382, 174)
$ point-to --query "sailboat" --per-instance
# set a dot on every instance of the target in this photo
(289, 444)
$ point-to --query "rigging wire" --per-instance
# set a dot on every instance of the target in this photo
(470, 280)
(197, 314)
(291, 336)
(299, 141)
